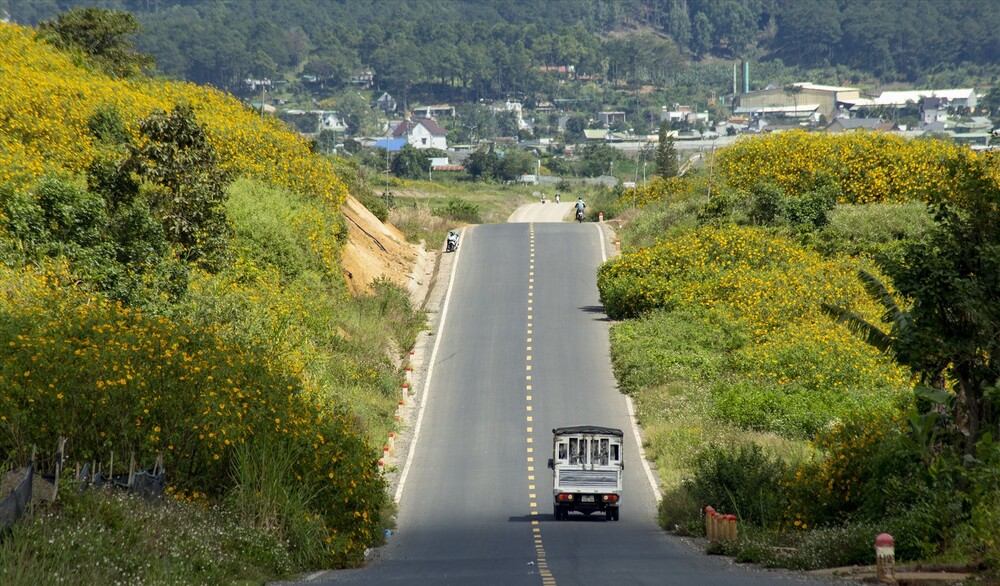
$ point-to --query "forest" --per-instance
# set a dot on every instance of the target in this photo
(465, 49)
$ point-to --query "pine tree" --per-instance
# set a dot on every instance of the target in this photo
(666, 154)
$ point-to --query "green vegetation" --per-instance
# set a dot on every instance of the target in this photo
(818, 423)
(168, 292)
(490, 50)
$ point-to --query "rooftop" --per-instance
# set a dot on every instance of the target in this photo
(826, 88)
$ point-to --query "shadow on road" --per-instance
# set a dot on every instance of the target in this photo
(597, 310)
(573, 518)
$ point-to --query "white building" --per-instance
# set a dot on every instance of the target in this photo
(422, 133)
(959, 98)
(434, 111)
(517, 109)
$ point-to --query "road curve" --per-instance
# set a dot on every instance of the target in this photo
(476, 507)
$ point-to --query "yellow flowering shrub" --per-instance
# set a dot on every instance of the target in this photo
(869, 167)
(46, 101)
(656, 190)
(833, 482)
(112, 378)
(798, 369)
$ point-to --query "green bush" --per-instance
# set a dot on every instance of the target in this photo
(459, 210)
(176, 390)
(876, 230)
(94, 537)
(812, 549)
(662, 346)
(680, 511)
(742, 479)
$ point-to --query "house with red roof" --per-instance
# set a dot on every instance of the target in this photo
(422, 133)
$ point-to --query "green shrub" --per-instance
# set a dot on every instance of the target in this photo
(662, 346)
(811, 549)
(112, 378)
(877, 230)
(459, 210)
(267, 497)
(94, 537)
(680, 511)
(743, 479)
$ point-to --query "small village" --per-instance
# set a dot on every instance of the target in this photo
(560, 128)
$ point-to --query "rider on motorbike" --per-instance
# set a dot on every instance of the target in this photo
(452, 243)
(579, 206)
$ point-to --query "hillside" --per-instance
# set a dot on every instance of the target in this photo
(174, 286)
(490, 49)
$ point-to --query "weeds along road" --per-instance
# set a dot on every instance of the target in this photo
(525, 349)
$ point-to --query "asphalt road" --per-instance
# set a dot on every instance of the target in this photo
(476, 505)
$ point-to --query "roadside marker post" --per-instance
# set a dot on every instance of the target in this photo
(885, 559)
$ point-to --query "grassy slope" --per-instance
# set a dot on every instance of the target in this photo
(282, 296)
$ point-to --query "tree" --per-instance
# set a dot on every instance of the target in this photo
(666, 154)
(513, 164)
(102, 35)
(183, 183)
(575, 126)
(950, 336)
(702, 35)
(413, 163)
(596, 159)
(482, 164)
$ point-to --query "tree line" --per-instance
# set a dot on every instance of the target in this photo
(491, 49)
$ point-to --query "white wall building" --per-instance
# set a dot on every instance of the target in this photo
(422, 133)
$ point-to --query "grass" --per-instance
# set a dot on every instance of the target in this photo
(420, 206)
(95, 537)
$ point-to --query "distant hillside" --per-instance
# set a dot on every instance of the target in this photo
(47, 101)
(491, 49)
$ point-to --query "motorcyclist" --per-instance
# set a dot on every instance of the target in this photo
(452, 243)
(580, 206)
(557, 198)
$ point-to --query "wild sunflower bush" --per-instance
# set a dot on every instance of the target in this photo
(47, 102)
(112, 378)
(869, 167)
(794, 369)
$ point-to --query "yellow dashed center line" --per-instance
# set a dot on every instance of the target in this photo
(540, 562)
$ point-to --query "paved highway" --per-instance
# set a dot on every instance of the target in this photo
(524, 350)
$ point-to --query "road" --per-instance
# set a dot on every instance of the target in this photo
(525, 349)
(549, 211)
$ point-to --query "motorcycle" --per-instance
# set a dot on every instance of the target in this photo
(579, 215)
(451, 245)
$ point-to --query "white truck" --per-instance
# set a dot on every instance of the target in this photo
(587, 464)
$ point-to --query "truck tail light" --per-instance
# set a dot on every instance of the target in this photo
(564, 497)
(610, 498)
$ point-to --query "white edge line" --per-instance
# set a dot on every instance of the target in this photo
(642, 451)
(604, 252)
(631, 409)
(430, 373)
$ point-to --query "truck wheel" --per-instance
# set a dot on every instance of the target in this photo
(557, 512)
(615, 510)
(609, 514)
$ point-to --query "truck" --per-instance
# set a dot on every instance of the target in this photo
(587, 463)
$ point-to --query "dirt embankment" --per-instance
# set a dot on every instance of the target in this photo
(373, 249)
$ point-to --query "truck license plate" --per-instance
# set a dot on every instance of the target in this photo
(587, 498)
